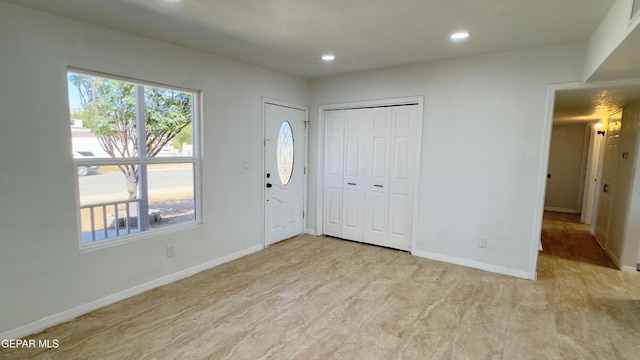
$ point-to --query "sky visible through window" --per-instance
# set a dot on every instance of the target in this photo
(74, 96)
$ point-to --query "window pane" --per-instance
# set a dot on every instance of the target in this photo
(284, 153)
(106, 183)
(171, 194)
(169, 119)
(109, 209)
(106, 210)
(103, 116)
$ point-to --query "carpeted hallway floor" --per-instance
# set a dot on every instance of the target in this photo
(322, 298)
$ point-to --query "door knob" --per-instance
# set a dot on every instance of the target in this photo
(606, 188)
(269, 185)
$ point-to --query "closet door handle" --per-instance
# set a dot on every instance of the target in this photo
(378, 185)
(351, 183)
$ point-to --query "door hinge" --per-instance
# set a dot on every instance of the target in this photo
(303, 214)
(305, 124)
(305, 170)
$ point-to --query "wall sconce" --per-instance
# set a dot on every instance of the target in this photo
(600, 132)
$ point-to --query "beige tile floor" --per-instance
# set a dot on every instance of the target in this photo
(322, 298)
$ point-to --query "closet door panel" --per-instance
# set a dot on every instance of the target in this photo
(401, 182)
(356, 123)
(377, 216)
(398, 227)
(333, 172)
(333, 212)
(376, 224)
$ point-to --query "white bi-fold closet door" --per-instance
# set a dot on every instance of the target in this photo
(369, 157)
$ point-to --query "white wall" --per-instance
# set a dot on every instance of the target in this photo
(42, 271)
(485, 141)
(615, 27)
(566, 160)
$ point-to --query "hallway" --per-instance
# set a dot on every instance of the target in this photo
(565, 237)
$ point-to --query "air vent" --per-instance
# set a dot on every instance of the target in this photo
(635, 8)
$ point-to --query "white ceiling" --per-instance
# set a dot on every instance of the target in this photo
(593, 103)
(291, 35)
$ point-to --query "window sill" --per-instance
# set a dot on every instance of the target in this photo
(125, 239)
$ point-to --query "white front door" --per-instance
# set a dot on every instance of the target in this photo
(284, 164)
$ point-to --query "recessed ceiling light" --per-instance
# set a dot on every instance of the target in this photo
(172, 1)
(328, 57)
(459, 36)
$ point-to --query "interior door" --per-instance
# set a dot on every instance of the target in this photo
(608, 181)
(284, 163)
(355, 136)
(333, 172)
(565, 171)
(376, 220)
(402, 176)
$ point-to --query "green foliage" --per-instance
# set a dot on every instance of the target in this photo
(80, 115)
(168, 113)
(183, 137)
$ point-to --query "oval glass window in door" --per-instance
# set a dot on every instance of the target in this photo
(284, 153)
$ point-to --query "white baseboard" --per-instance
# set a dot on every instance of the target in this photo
(562, 210)
(311, 231)
(474, 264)
(612, 256)
(629, 269)
(71, 314)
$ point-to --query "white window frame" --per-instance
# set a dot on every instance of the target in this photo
(142, 159)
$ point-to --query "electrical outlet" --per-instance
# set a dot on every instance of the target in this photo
(171, 250)
(482, 241)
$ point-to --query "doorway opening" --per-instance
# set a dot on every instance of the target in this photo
(585, 120)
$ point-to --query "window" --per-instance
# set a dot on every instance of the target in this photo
(284, 153)
(133, 148)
